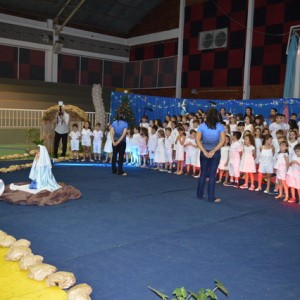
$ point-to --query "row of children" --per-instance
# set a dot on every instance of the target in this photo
(162, 147)
(253, 155)
(248, 149)
(89, 138)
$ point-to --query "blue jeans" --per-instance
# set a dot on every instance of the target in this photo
(118, 152)
(209, 168)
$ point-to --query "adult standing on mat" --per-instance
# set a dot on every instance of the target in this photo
(61, 130)
(118, 133)
(210, 138)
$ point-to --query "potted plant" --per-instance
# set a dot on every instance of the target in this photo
(203, 294)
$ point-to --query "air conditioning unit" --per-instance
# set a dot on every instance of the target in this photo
(213, 39)
(206, 40)
(220, 38)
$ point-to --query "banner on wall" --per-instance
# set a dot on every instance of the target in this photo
(158, 107)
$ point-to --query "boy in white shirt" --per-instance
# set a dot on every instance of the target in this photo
(152, 144)
(74, 137)
(278, 125)
(97, 142)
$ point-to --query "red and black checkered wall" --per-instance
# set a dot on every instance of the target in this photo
(224, 67)
(152, 65)
(153, 50)
(88, 71)
(91, 71)
(20, 63)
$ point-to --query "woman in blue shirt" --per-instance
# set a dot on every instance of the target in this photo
(210, 138)
(118, 136)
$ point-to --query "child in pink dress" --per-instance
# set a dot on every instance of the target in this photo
(143, 150)
(293, 175)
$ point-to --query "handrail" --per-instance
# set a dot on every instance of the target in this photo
(30, 118)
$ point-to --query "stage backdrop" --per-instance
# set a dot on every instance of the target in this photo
(159, 107)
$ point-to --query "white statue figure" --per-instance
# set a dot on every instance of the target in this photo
(41, 173)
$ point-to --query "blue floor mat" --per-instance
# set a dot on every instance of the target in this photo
(148, 228)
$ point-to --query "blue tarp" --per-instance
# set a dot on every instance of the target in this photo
(158, 107)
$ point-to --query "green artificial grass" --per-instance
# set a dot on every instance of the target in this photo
(9, 149)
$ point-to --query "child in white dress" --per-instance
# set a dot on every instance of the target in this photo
(190, 158)
(235, 153)
(169, 145)
(135, 146)
(293, 175)
(293, 134)
(248, 124)
(159, 157)
(248, 166)
(74, 136)
(128, 149)
(144, 122)
(143, 150)
(152, 144)
(266, 163)
(233, 124)
(281, 167)
(97, 142)
(179, 145)
(258, 143)
(86, 141)
(223, 165)
(108, 145)
(174, 134)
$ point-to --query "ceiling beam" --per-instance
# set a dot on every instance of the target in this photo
(68, 18)
(55, 20)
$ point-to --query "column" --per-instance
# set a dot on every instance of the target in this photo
(247, 65)
(180, 49)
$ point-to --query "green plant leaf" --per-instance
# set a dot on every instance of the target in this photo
(158, 293)
(200, 296)
(221, 287)
(180, 292)
(194, 295)
(210, 293)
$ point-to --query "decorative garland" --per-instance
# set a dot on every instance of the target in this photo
(13, 168)
(16, 156)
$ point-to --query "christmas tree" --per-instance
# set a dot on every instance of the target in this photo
(127, 111)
